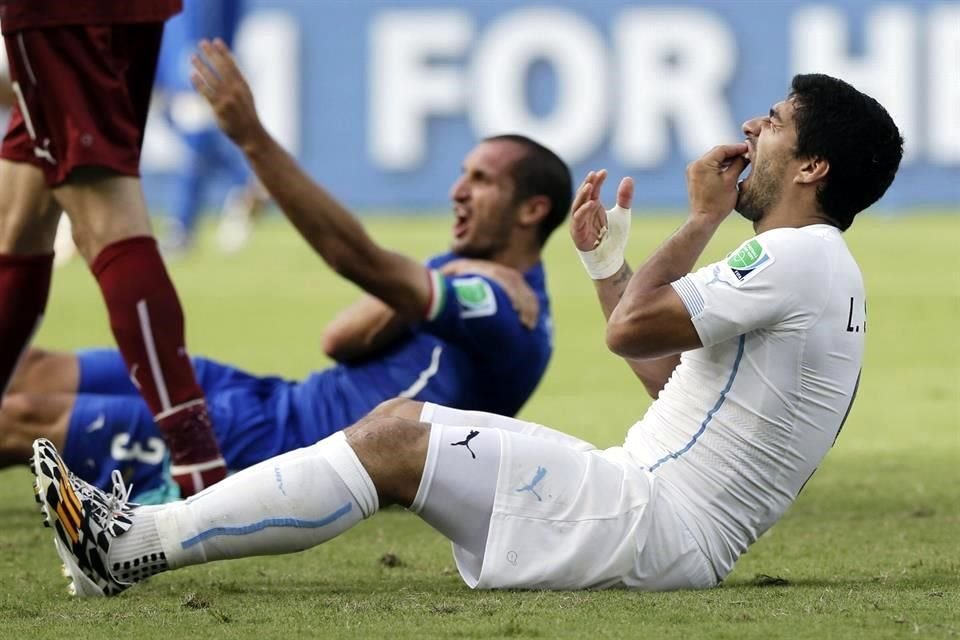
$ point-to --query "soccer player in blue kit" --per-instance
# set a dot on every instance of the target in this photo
(208, 153)
(435, 332)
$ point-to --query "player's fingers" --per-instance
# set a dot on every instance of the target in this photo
(724, 153)
(201, 86)
(582, 195)
(529, 311)
(226, 63)
(625, 193)
(203, 70)
(214, 58)
(736, 167)
(598, 180)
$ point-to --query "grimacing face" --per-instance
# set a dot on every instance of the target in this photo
(483, 200)
(771, 141)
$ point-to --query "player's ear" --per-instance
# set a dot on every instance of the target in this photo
(813, 169)
(533, 210)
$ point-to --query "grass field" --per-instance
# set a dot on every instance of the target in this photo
(870, 549)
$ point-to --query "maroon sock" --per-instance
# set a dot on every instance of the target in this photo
(24, 289)
(147, 321)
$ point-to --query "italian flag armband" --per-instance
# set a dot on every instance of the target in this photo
(438, 292)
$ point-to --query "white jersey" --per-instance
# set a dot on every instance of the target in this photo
(745, 420)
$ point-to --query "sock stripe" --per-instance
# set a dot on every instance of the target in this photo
(265, 524)
(144, 315)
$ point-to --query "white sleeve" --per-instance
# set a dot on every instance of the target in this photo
(770, 279)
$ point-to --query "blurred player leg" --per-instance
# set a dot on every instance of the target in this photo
(91, 164)
(244, 204)
(27, 225)
(64, 248)
(189, 189)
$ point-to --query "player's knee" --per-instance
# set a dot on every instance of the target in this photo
(31, 360)
(14, 448)
(393, 451)
(17, 408)
(398, 408)
(28, 213)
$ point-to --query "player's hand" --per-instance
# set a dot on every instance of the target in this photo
(521, 295)
(600, 235)
(712, 181)
(218, 79)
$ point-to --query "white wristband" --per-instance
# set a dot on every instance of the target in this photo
(607, 258)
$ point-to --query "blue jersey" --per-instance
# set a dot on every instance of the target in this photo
(472, 353)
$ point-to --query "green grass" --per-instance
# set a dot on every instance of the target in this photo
(870, 550)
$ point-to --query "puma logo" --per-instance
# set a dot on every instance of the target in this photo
(466, 442)
(532, 485)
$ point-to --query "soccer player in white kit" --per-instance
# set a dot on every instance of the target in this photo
(754, 362)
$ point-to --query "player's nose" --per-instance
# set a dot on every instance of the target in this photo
(751, 128)
(458, 190)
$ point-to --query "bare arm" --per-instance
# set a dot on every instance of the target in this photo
(361, 329)
(654, 372)
(339, 238)
(651, 321)
(584, 229)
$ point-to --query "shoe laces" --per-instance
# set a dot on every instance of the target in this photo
(108, 506)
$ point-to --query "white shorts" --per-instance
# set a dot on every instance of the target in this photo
(568, 516)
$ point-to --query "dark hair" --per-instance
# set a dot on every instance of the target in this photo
(855, 134)
(541, 172)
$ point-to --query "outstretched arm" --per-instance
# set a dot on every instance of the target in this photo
(589, 227)
(401, 282)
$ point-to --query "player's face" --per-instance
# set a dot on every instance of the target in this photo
(483, 200)
(771, 140)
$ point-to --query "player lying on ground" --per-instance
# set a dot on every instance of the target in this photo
(437, 333)
(86, 405)
(765, 354)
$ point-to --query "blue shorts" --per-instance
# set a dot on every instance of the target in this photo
(111, 427)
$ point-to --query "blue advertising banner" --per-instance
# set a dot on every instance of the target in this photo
(381, 99)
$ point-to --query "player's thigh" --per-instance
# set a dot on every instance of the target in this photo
(563, 518)
(101, 76)
(28, 213)
(482, 420)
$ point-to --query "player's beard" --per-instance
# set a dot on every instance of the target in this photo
(762, 190)
(489, 239)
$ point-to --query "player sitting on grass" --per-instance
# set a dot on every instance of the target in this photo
(437, 333)
(755, 361)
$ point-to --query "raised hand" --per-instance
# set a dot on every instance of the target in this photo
(218, 79)
(712, 181)
(600, 235)
(521, 295)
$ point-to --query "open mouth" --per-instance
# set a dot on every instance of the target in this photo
(460, 224)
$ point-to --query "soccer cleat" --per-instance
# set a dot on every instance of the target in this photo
(197, 462)
(86, 521)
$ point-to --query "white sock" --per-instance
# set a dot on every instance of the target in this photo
(288, 503)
